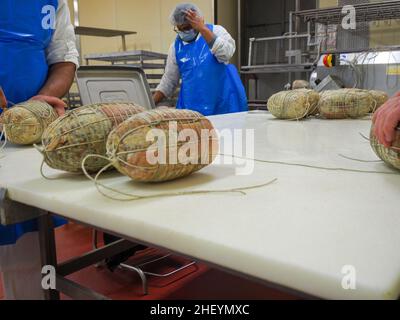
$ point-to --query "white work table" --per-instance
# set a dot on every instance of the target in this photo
(297, 233)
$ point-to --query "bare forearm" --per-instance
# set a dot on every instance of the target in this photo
(59, 80)
(158, 96)
(198, 24)
(3, 99)
(207, 34)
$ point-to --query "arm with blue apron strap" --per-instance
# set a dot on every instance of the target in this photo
(3, 100)
(33, 36)
(25, 35)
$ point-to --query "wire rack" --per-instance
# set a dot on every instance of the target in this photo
(376, 11)
(288, 53)
(278, 50)
(377, 27)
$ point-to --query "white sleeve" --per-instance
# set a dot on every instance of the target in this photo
(224, 46)
(62, 47)
(170, 79)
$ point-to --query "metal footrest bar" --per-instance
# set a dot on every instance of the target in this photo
(143, 274)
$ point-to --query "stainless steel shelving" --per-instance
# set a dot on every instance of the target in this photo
(108, 33)
(278, 68)
(290, 57)
(366, 12)
(127, 57)
(152, 63)
(368, 17)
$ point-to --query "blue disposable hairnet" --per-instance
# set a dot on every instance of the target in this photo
(178, 16)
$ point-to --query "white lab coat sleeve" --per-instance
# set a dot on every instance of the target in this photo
(224, 46)
(170, 79)
(62, 47)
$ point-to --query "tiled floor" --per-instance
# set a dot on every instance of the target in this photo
(198, 282)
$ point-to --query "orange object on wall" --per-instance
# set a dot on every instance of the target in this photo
(329, 60)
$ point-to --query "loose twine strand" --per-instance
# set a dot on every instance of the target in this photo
(326, 168)
(41, 151)
(375, 145)
(3, 143)
(42, 173)
(360, 160)
(135, 197)
(312, 166)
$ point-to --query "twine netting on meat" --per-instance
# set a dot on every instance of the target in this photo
(83, 131)
(391, 155)
(130, 144)
(129, 148)
(3, 137)
(380, 98)
(345, 104)
(25, 123)
(300, 84)
(294, 104)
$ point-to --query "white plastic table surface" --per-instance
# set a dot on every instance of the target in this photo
(301, 232)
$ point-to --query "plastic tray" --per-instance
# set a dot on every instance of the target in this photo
(114, 84)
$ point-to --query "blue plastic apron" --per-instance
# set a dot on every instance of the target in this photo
(208, 86)
(24, 37)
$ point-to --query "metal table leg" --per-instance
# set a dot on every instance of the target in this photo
(48, 248)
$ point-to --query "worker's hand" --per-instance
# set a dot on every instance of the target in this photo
(3, 100)
(158, 96)
(386, 120)
(56, 103)
(195, 20)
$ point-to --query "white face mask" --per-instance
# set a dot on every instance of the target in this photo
(188, 36)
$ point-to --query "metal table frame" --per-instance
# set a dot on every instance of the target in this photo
(12, 212)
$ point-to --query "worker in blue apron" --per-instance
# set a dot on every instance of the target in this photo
(200, 58)
(29, 71)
